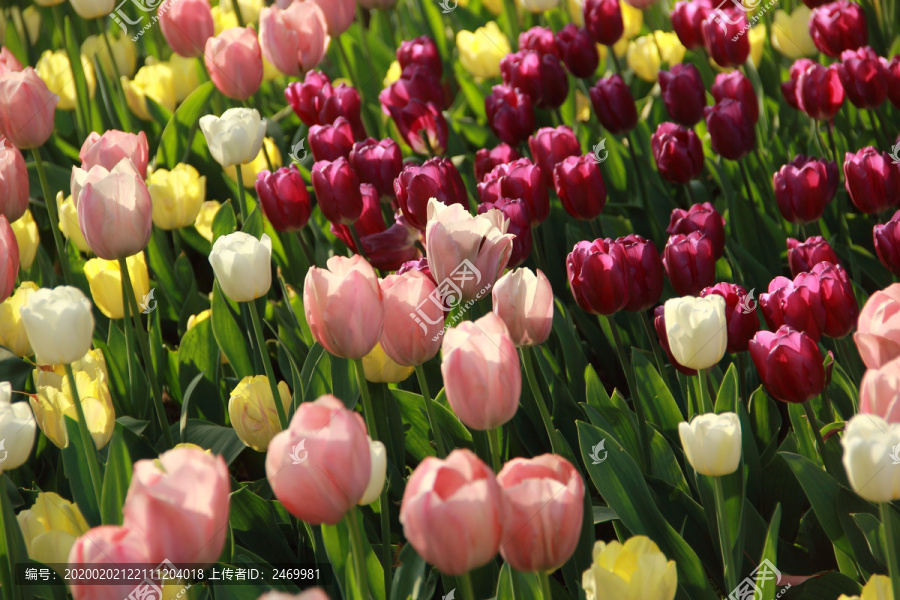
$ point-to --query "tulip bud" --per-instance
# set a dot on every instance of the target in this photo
(597, 275)
(525, 303)
(378, 456)
(790, 33)
(337, 191)
(614, 105)
(878, 328)
(543, 512)
(868, 441)
(712, 443)
(732, 132)
(234, 138)
(420, 51)
(740, 314)
(687, 19)
(579, 185)
(683, 93)
(27, 109)
(510, 114)
(155, 81)
(719, 29)
(8, 61)
(872, 179)
(879, 392)
(234, 61)
(480, 51)
(804, 256)
(51, 311)
(803, 188)
(27, 239)
(50, 528)
(284, 199)
(13, 183)
(330, 142)
(177, 196)
(659, 324)
(578, 50)
(294, 40)
(789, 88)
(550, 146)
(109, 149)
(518, 179)
(737, 86)
(414, 318)
(105, 280)
(437, 178)
(378, 163)
(242, 265)
(637, 566)
(887, 243)
(93, 9)
(690, 262)
(422, 126)
(540, 39)
(541, 76)
(864, 77)
(516, 212)
(697, 330)
(253, 413)
(819, 92)
(317, 102)
(486, 160)
(186, 25)
(17, 428)
(9, 259)
(789, 363)
(795, 303)
(603, 20)
(836, 295)
(12, 328)
(107, 544)
(678, 153)
(838, 26)
(645, 272)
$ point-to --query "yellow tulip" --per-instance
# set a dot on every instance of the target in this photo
(124, 51)
(632, 19)
(204, 220)
(757, 42)
(576, 11)
(12, 332)
(670, 47)
(68, 222)
(250, 170)
(480, 51)
(184, 76)
(50, 528)
(177, 196)
(253, 413)
(877, 588)
(380, 368)
(393, 74)
(249, 9)
(48, 2)
(198, 318)
(192, 447)
(635, 570)
(790, 33)
(152, 81)
(105, 281)
(494, 6)
(26, 21)
(643, 58)
(27, 238)
(223, 19)
(56, 71)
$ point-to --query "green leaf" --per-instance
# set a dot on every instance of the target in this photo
(873, 530)
(12, 545)
(79, 476)
(254, 523)
(198, 357)
(337, 544)
(659, 405)
(770, 553)
(186, 404)
(515, 585)
(224, 222)
(221, 440)
(410, 580)
(13, 369)
(116, 478)
(229, 334)
(176, 135)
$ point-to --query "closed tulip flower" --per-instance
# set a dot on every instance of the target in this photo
(422, 125)
(294, 40)
(789, 364)
(9, 259)
(177, 196)
(27, 239)
(580, 187)
(643, 57)
(893, 70)
(12, 328)
(803, 256)
(836, 296)
(252, 411)
(317, 102)
(635, 570)
(234, 61)
(27, 108)
(864, 77)
(414, 318)
(578, 50)
(480, 51)
(614, 104)
(330, 142)
(320, 466)
(486, 160)
(378, 456)
(719, 29)
(107, 545)
(697, 330)
(868, 441)
(123, 50)
(452, 512)
(337, 191)
(50, 311)
(234, 138)
(8, 60)
(92, 9)
(603, 20)
(879, 392)
(740, 314)
(804, 187)
(518, 179)
(730, 128)
(645, 272)
(242, 265)
(16, 428)
(690, 262)
(284, 198)
(789, 88)
(155, 81)
(544, 505)
(541, 76)
(180, 502)
(56, 71)
(381, 368)
(678, 153)
(109, 149)
(205, 217)
(687, 19)
(105, 280)
(525, 303)
(790, 33)
(887, 243)
(838, 26)
(550, 146)
(510, 114)
(736, 86)
(378, 163)
(13, 183)
(873, 180)
(712, 443)
(795, 303)
(50, 528)
(420, 51)
(186, 25)
(339, 14)
(597, 274)
(683, 93)
(518, 217)
(659, 324)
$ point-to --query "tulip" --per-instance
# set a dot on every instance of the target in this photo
(242, 265)
(330, 142)
(644, 57)
(13, 183)
(603, 20)
(234, 61)
(789, 87)
(8, 61)
(204, 221)
(690, 262)
(864, 78)
(105, 280)
(868, 441)
(251, 409)
(415, 81)
(480, 51)
(887, 243)
(518, 216)
(452, 512)
(719, 29)
(524, 301)
(186, 25)
(177, 196)
(687, 19)
(737, 86)
(378, 163)
(27, 109)
(9, 259)
(486, 160)
(320, 467)
(806, 255)
(893, 70)
(543, 499)
(803, 188)
(436, 178)
(730, 128)
(123, 50)
(740, 314)
(795, 303)
(50, 528)
(510, 114)
(12, 328)
(234, 138)
(878, 587)
(577, 49)
(579, 185)
(597, 274)
(635, 570)
(879, 392)
(683, 93)
(712, 443)
(51, 311)
(790, 33)
(414, 318)
(541, 76)
(836, 295)
(614, 105)
(338, 13)
(518, 179)
(678, 153)
(316, 102)
(294, 40)
(68, 222)
(107, 545)
(659, 324)
(645, 272)
(540, 39)
(385, 247)
(381, 368)
(819, 92)
(16, 429)
(92, 9)
(873, 180)
(27, 239)
(284, 199)
(420, 51)
(180, 502)
(108, 149)
(697, 330)
(156, 81)
(789, 363)
(550, 146)
(838, 26)
(422, 126)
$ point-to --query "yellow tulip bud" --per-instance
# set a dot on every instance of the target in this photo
(790, 33)
(177, 196)
(393, 74)
(204, 220)
(576, 11)
(635, 570)
(192, 447)
(250, 170)
(50, 528)
(877, 588)
(12, 331)
(670, 47)
(223, 19)
(380, 368)
(152, 81)
(27, 238)
(68, 223)
(53, 402)
(250, 9)
(124, 51)
(105, 281)
(643, 58)
(632, 19)
(252, 411)
(56, 71)
(582, 107)
(198, 318)
(757, 42)
(26, 21)
(184, 76)
(480, 51)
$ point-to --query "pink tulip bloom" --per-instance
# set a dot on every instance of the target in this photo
(319, 467)
(525, 303)
(107, 545)
(413, 318)
(9, 259)
(878, 328)
(8, 61)
(234, 61)
(879, 393)
(186, 25)
(27, 108)
(108, 149)
(13, 182)
(294, 40)
(338, 13)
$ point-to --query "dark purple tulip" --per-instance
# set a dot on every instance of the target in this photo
(598, 274)
(887, 243)
(820, 93)
(802, 257)
(719, 29)
(645, 272)
(578, 50)
(873, 180)
(835, 295)
(541, 76)
(864, 77)
(730, 128)
(740, 314)
(330, 142)
(703, 218)
(683, 93)
(614, 104)
(519, 179)
(516, 211)
(317, 102)
(690, 263)
(378, 163)
(486, 160)
(687, 19)
(416, 184)
(736, 86)
(893, 71)
(416, 81)
(419, 264)
(603, 20)
(678, 153)
(579, 185)
(838, 26)
(284, 199)
(337, 191)
(804, 187)
(420, 51)
(550, 146)
(510, 114)
(789, 87)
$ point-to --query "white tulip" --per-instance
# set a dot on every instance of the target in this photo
(17, 429)
(872, 457)
(92, 9)
(378, 472)
(234, 138)
(712, 443)
(59, 324)
(242, 265)
(697, 330)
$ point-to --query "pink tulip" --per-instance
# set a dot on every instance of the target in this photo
(27, 108)
(338, 13)
(108, 149)
(344, 306)
(108, 545)
(543, 510)
(8, 61)
(451, 512)
(234, 61)
(180, 504)
(9, 259)
(413, 318)
(877, 335)
(481, 372)
(13, 182)
(879, 393)
(525, 303)
(319, 467)
(186, 25)
(294, 40)
(114, 211)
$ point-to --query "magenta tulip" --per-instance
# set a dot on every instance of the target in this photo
(873, 180)
(331, 142)
(516, 211)
(678, 153)
(614, 104)
(417, 184)
(284, 199)
(603, 20)
(819, 91)
(644, 272)
(804, 187)
(550, 146)
(730, 129)
(578, 50)
(687, 21)
(719, 30)
(789, 363)
(486, 160)
(683, 93)
(420, 51)
(690, 262)
(887, 243)
(518, 179)
(802, 257)
(510, 113)
(703, 218)
(838, 26)
(422, 126)
(378, 163)
(737, 86)
(598, 273)
(579, 185)
(864, 77)
(797, 304)
(836, 296)
(337, 191)
(541, 76)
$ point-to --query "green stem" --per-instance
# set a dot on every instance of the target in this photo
(356, 241)
(724, 542)
(267, 363)
(306, 250)
(615, 59)
(359, 553)
(242, 202)
(493, 436)
(50, 202)
(86, 439)
(544, 576)
(657, 351)
(129, 340)
(834, 148)
(528, 366)
(467, 592)
(144, 343)
(7, 570)
(705, 406)
(512, 17)
(890, 548)
(820, 442)
(429, 410)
